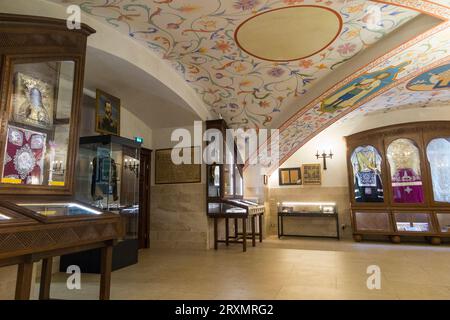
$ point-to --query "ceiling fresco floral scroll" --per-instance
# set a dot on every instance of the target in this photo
(197, 38)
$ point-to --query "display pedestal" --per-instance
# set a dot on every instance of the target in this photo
(124, 254)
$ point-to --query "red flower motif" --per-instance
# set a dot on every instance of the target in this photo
(346, 48)
(305, 63)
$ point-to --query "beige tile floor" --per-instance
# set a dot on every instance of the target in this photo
(278, 269)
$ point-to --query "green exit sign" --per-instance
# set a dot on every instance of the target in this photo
(139, 139)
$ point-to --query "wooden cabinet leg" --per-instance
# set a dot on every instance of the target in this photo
(215, 233)
(236, 228)
(244, 234)
(46, 279)
(105, 279)
(253, 231)
(227, 231)
(260, 222)
(24, 278)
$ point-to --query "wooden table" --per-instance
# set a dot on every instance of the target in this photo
(238, 237)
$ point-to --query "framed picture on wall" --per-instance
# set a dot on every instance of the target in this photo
(312, 174)
(290, 176)
(166, 172)
(107, 114)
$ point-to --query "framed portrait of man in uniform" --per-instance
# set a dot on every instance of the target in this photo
(107, 115)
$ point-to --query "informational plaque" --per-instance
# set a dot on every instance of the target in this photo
(167, 172)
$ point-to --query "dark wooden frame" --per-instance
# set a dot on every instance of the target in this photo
(97, 106)
(38, 39)
(145, 198)
(280, 179)
(199, 168)
(421, 133)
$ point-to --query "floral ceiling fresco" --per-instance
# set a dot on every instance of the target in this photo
(198, 38)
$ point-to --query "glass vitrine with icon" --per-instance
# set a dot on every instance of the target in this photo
(42, 69)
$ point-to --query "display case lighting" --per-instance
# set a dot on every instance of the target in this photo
(70, 205)
(3, 217)
(308, 203)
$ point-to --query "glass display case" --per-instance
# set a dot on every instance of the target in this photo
(308, 207)
(108, 177)
(413, 222)
(372, 221)
(225, 188)
(61, 209)
(400, 185)
(9, 218)
(294, 212)
(404, 161)
(438, 154)
(38, 129)
(443, 221)
(368, 185)
(42, 69)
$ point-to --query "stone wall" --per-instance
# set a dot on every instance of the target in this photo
(178, 216)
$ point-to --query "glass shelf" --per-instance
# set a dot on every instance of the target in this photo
(444, 221)
(373, 221)
(4, 217)
(69, 209)
(413, 222)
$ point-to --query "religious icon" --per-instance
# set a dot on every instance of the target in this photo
(24, 156)
(107, 114)
(435, 79)
(360, 88)
(33, 101)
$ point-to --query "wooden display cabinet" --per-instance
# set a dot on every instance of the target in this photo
(410, 163)
(225, 192)
(42, 70)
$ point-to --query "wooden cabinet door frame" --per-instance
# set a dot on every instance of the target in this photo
(144, 198)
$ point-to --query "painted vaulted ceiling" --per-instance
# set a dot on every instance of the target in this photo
(234, 55)
(252, 60)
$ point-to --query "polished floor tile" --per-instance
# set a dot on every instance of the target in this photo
(277, 269)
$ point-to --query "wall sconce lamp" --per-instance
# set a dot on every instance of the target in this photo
(265, 179)
(133, 166)
(324, 156)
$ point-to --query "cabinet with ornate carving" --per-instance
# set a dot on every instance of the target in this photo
(399, 178)
(42, 71)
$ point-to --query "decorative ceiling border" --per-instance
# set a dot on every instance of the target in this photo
(430, 8)
(362, 102)
(407, 44)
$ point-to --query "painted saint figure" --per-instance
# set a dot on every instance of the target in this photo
(360, 88)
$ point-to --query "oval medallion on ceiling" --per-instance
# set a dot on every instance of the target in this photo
(289, 33)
